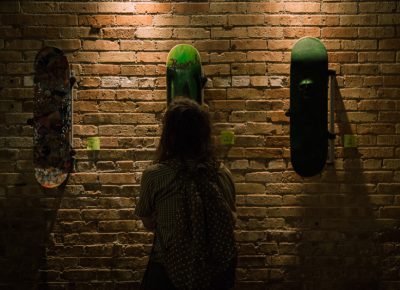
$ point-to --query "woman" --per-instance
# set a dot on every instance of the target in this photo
(185, 146)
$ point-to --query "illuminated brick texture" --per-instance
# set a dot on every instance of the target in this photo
(338, 230)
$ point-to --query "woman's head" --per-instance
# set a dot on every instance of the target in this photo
(186, 132)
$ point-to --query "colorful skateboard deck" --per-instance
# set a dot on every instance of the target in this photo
(52, 118)
(308, 106)
(184, 73)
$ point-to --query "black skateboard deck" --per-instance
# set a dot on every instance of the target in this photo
(52, 118)
(184, 73)
(308, 106)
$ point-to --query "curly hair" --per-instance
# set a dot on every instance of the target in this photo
(186, 133)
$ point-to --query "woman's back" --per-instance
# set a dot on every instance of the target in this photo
(160, 193)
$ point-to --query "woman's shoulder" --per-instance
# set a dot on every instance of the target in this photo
(158, 170)
(222, 169)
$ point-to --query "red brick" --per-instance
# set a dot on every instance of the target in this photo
(117, 57)
(375, 7)
(266, 32)
(153, 32)
(211, 45)
(171, 20)
(302, 7)
(381, 56)
(119, 33)
(226, 105)
(153, 8)
(377, 105)
(23, 44)
(302, 32)
(192, 8)
(388, 19)
(42, 31)
(146, 107)
(227, 57)
(117, 178)
(278, 69)
(248, 20)
(222, 8)
(358, 20)
(44, 7)
(136, 20)
(85, 130)
(190, 33)
(84, 57)
(209, 20)
(74, 32)
(339, 8)
(360, 69)
(390, 212)
(339, 32)
(100, 45)
(391, 81)
(85, 106)
(145, 57)
(10, 56)
(248, 68)
(10, 7)
(389, 44)
(96, 95)
(79, 8)
(64, 44)
(375, 129)
(268, 56)
(17, 93)
(137, 45)
(116, 7)
(91, 82)
(343, 57)
(390, 68)
(235, 32)
(140, 70)
(281, 44)
(97, 21)
(18, 68)
(376, 32)
(388, 139)
(216, 70)
(262, 7)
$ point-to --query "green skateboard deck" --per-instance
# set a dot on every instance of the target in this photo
(52, 118)
(184, 73)
(308, 106)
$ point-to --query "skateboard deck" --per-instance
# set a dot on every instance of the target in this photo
(184, 73)
(308, 106)
(52, 118)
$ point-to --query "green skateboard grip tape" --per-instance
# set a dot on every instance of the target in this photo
(184, 73)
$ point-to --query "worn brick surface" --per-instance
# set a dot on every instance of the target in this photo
(337, 230)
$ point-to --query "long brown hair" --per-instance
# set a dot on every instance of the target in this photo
(186, 133)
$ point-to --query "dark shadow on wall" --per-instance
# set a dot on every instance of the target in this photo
(338, 247)
(28, 216)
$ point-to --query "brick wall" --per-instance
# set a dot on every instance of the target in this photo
(337, 230)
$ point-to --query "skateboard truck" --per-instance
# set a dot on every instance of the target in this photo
(331, 134)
